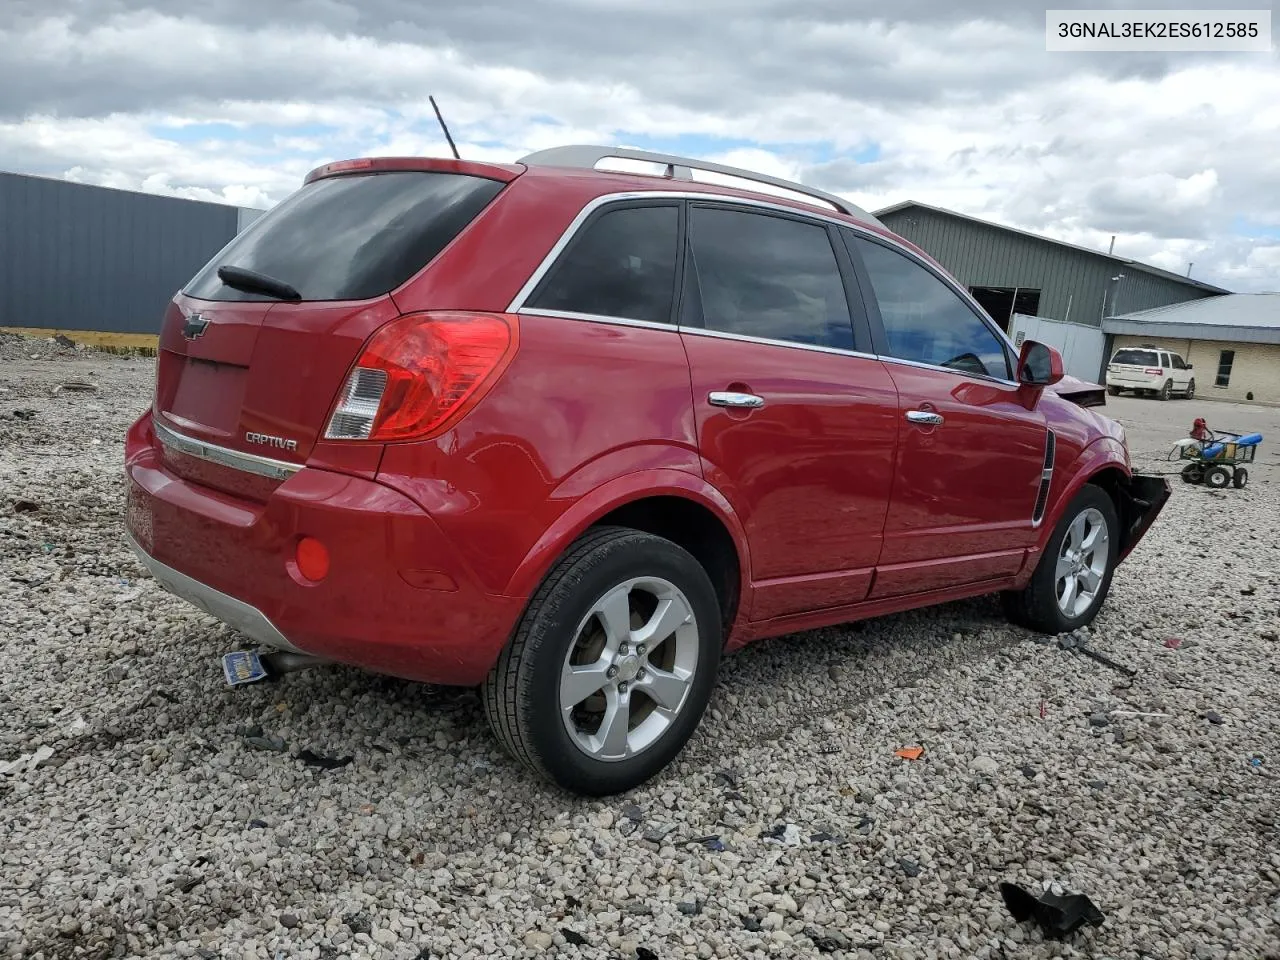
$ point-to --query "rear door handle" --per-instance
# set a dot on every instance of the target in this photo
(925, 417)
(727, 398)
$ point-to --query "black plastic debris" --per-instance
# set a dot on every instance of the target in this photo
(1097, 784)
(25, 506)
(712, 843)
(24, 414)
(690, 909)
(572, 902)
(730, 778)
(258, 824)
(644, 953)
(632, 812)
(573, 937)
(312, 759)
(909, 867)
(775, 832)
(829, 749)
(751, 924)
(865, 825)
(1214, 718)
(269, 744)
(1028, 771)
(190, 883)
(823, 836)
(358, 922)
(827, 941)
(1099, 720)
(1058, 915)
(63, 341)
(204, 953)
(658, 833)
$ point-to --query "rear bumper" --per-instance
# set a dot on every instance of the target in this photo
(396, 599)
(1134, 381)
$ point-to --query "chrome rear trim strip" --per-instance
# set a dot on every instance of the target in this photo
(248, 462)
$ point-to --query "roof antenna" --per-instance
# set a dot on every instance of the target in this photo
(444, 128)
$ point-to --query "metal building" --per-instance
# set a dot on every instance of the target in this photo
(1014, 272)
(75, 257)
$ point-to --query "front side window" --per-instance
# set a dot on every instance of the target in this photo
(622, 264)
(925, 321)
(770, 277)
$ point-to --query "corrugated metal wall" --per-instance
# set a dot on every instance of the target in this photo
(1072, 283)
(79, 257)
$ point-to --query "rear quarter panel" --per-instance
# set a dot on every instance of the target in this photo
(581, 405)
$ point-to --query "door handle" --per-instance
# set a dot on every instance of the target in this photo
(727, 398)
(927, 417)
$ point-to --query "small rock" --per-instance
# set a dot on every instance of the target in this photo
(835, 672)
(909, 867)
(385, 936)
(826, 940)
(1214, 718)
(658, 833)
(1028, 771)
(632, 812)
(358, 922)
(984, 766)
(538, 940)
(1099, 720)
(1097, 784)
(270, 744)
(559, 837)
(288, 921)
(751, 924)
(689, 909)
(639, 908)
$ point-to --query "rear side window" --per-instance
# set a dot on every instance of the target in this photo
(770, 277)
(1143, 358)
(925, 321)
(351, 237)
(623, 264)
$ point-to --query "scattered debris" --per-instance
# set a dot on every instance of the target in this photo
(312, 759)
(690, 909)
(633, 813)
(787, 834)
(1057, 914)
(358, 923)
(25, 414)
(79, 386)
(268, 744)
(829, 749)
(63, 341)
(751, 924)
(1139, 713)
(1214, 718)
(573, 937)
(25, 506)
(1173, 643)
(258, 824)
(909, 753)
(1097, 784)
(1099, 720)
(1028, 771)
(712, 843)
(826, 940)
(644, 953)
(865, 825)
(658, 832)
(729, 777)
(909, 867)
(1255, 762)
(1248, 591)
(823, 836)
(1044, 709)
(1107, 661)
(27, 761)
(190, 883)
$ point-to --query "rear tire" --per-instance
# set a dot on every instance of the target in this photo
(1191, 390)
(1114, 391)
(1241, 478)
(1082, 549)
(1166, 391)
(637, 617)
(1217, 478)
(1193, 473)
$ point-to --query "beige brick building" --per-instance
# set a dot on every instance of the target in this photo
(1232, 342)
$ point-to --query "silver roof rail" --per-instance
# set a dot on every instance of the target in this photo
(586, 157)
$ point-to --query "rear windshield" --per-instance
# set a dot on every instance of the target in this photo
(1144, 358)
(351, 237)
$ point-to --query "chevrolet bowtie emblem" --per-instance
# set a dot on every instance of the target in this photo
(195, 326)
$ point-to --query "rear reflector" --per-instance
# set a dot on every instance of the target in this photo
(420, 374)
(312, 558)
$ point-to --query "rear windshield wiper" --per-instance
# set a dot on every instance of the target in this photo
(251, 281)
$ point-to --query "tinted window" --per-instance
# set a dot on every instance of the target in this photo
(925, 320)
(764, 276)
(1178, 363)
(623, 264)
(351, 237)
(1142, 358)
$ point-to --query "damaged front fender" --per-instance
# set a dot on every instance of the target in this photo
(1140, 499)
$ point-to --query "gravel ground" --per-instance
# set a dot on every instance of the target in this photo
(153, 812)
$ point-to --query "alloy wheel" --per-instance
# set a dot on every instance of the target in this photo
(1082, 562)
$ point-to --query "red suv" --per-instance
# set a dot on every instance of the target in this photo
(569, 434)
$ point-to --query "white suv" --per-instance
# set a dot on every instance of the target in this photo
(1149, 369)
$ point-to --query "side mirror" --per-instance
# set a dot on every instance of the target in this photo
(1039, 365)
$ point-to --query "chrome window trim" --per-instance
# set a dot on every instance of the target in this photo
(597, 318)
(223, 456)
(523, 294)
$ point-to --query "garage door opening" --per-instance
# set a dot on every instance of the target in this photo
(1001, 303)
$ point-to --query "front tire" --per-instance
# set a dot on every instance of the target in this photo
(1114, 391)
(612, 665)
(1217, 478)
(1073, 577)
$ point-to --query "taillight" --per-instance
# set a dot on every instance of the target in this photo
(1154, 371)
(421, 373)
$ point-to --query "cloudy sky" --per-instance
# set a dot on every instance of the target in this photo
(956, 104)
